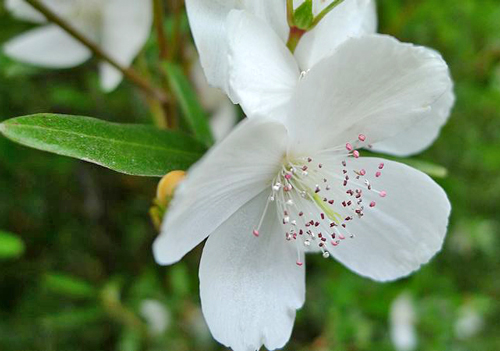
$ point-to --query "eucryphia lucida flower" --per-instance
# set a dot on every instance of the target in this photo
(119, 27)
(242, 45)
(276, 189)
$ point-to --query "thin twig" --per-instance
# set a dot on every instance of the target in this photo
(160, 33)
(129, 73)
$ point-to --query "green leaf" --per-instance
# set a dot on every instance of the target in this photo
(131, 149)
(303, 16)
(11, 246)
(193, 112)
(69, 286)
(74, 318)
(430, 168)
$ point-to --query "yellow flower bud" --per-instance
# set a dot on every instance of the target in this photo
(167, 186)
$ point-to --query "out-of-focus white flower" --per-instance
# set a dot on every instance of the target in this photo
(402, 322)
(156, 315)
(273, 190)
(469, 322)
(242, 49)
(223, 114)
(119, 27)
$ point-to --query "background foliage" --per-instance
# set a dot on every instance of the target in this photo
(76, 273)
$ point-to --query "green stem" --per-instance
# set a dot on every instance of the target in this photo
(294, 38)
(160, 33)
(129, 73)
(110, 298)
(289, 13)
(325, 11)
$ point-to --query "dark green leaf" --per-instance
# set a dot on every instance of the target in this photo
(193, 112)
(131, 149)
(11, 246)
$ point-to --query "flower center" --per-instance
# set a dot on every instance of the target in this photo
(318, 197)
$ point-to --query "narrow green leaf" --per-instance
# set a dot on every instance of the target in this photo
(193, 112)
(74, 318)
(11, 246)
(131, 149)
(430, 168)
(69, 286)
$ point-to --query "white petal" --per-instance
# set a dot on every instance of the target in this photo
(403, 231)
(223, 119)
(263, 72)
(24, 11)
(372, 85)
(210, 97)
(224, 115)
(229, 176)
(350, 19)
(421, 135)
(250, 287)
(110, 77)
(273, 12)
(48, 46)
(208, 25)
(126, 28)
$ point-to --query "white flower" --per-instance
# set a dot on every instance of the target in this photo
(119, 27)
(402, 319)
(242, 49)
(156, 315)
(469, 323)
(273, 190)
(223, 115)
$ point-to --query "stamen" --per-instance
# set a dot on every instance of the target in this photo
(316, 203)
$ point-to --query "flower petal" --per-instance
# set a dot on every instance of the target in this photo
(208, 25)
(350, 19)
(374, 85)
(223, 119)
(250, 287)
(47, 46)
(229, 176)
(420, 136)
(263, 72)
(403, 231)
(22, 10)
(126, 28)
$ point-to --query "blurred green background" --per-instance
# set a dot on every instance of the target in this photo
(79, 273)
